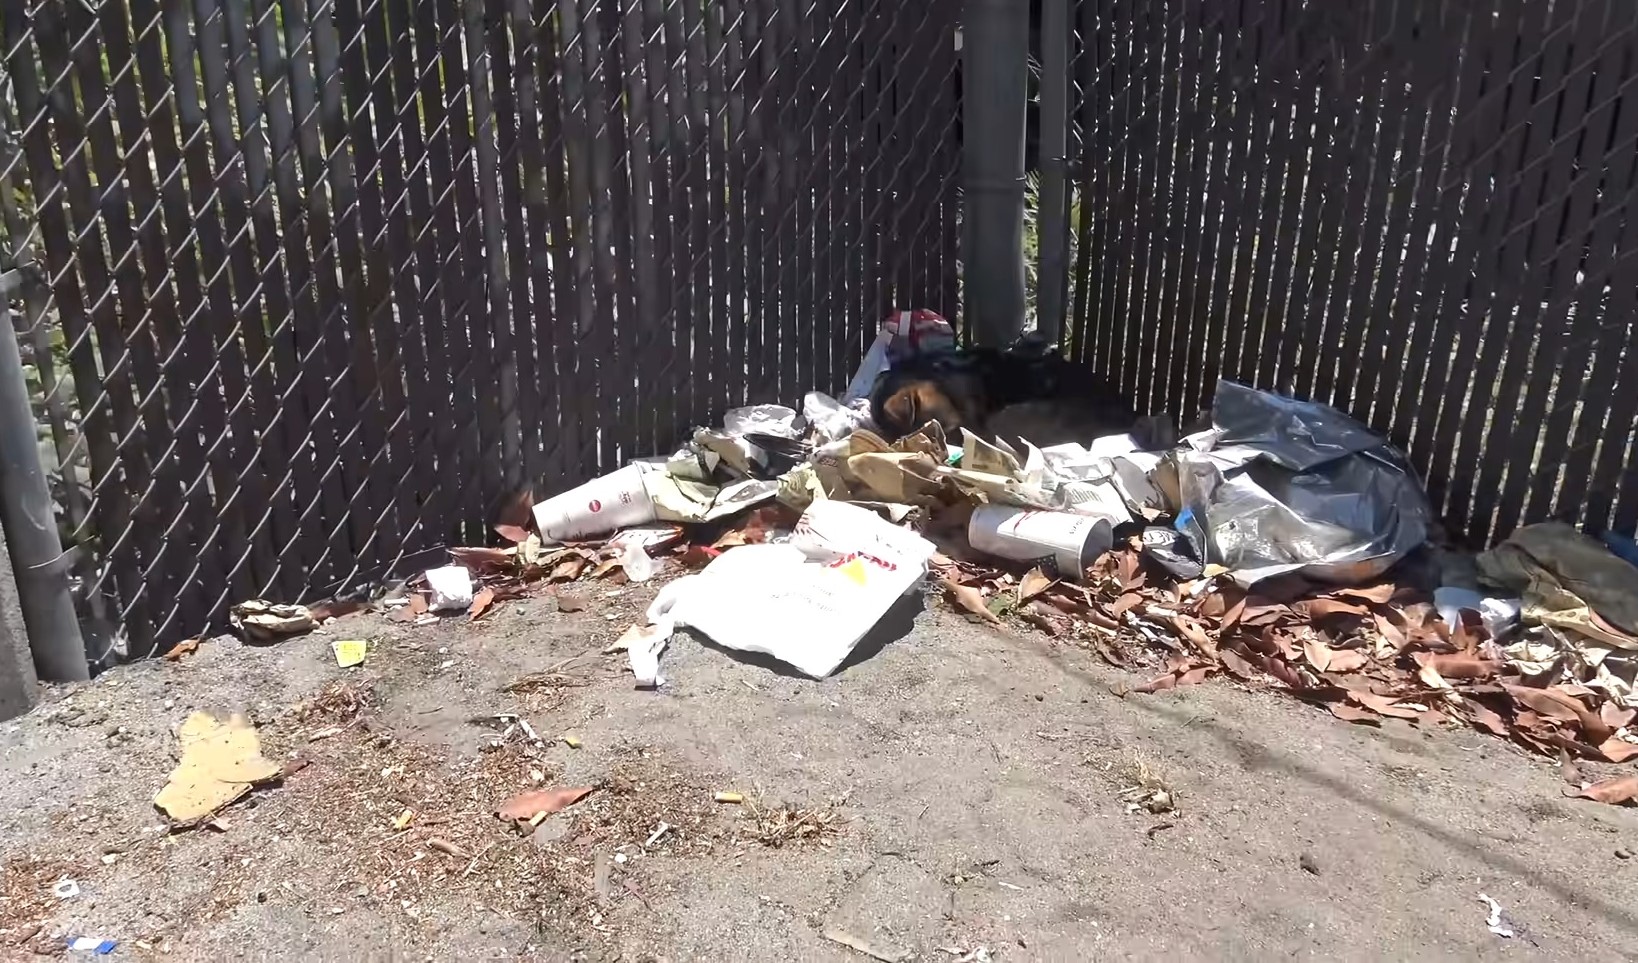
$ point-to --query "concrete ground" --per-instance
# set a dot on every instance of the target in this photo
(963, 788)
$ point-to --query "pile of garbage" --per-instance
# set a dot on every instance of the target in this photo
(1269, 546)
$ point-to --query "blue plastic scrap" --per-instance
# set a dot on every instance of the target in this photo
(99, 947)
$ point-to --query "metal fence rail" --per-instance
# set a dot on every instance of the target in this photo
(1419, 211)
(315, 283)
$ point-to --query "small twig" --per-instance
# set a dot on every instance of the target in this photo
(474, 864)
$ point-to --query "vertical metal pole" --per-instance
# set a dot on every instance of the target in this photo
(1053, 277)
(31, 527)
(995, 85)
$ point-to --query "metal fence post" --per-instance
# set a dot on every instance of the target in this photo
(31, 527)
(995, 89)
(1052, 280)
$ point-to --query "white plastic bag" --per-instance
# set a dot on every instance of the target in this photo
(807, 602)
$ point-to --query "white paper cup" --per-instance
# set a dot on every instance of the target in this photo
(616, 500)
(1070, 541)
(451, 588)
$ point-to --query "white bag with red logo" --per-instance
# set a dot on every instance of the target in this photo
(806, 602)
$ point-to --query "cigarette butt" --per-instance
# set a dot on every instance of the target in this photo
(572, 741)
(446, 847)
(537, 818)
(729, 797)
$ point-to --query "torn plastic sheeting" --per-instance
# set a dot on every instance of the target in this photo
(632, 548)
(806, 602)
(1089, 473)
(1279, 485)
(833, 420)
(1499, 615)
(680, 500)
(733, 447)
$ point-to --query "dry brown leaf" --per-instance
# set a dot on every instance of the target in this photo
(485, 561)
(1615, 716)
(1597, 731)
(1158, 684)
(1033, 583)
(697, 556)
(511, 533)
(1131, 575)
(1617, 750)
(1390, 632)
(1262, 615)
(1348, 660)
(1234, 614)
(1616, 791)
(567, 570)
(515, 514)
(604, 567)
(1382, 705)
(1428, 675)
(1033, 614)
(1280, 670)
(481, 603)
(1326, 608)
(1194, 676)
(416, 608)
(182, 648)
(335, 609)
(1370, 593)
(1318, 654)
(1348, 713)
(1111, 652)
(1459, 665)
(1237, 665)
(970, 599)
(528, 805)
(730, 539)
(1191, 630)
(1120, 606)
(1487, 718)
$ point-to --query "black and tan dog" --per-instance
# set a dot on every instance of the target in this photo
(1026, 392)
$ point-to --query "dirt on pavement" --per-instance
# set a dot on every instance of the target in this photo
(959, 790)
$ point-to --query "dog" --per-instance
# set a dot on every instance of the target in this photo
(1024, 390)
(945, 388)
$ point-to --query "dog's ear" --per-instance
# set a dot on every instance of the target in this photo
(901, 406)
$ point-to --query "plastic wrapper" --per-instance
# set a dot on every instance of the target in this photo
(1278, 485)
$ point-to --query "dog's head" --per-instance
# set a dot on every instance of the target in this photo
(908, 402)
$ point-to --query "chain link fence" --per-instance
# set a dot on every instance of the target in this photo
(1419, 211)
(308, 286)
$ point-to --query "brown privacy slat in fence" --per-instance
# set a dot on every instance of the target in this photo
(334, 277)
(1413, 210)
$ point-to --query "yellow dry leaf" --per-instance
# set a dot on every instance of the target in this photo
(220, 763)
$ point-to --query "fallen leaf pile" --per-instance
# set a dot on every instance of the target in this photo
(1363, 653)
